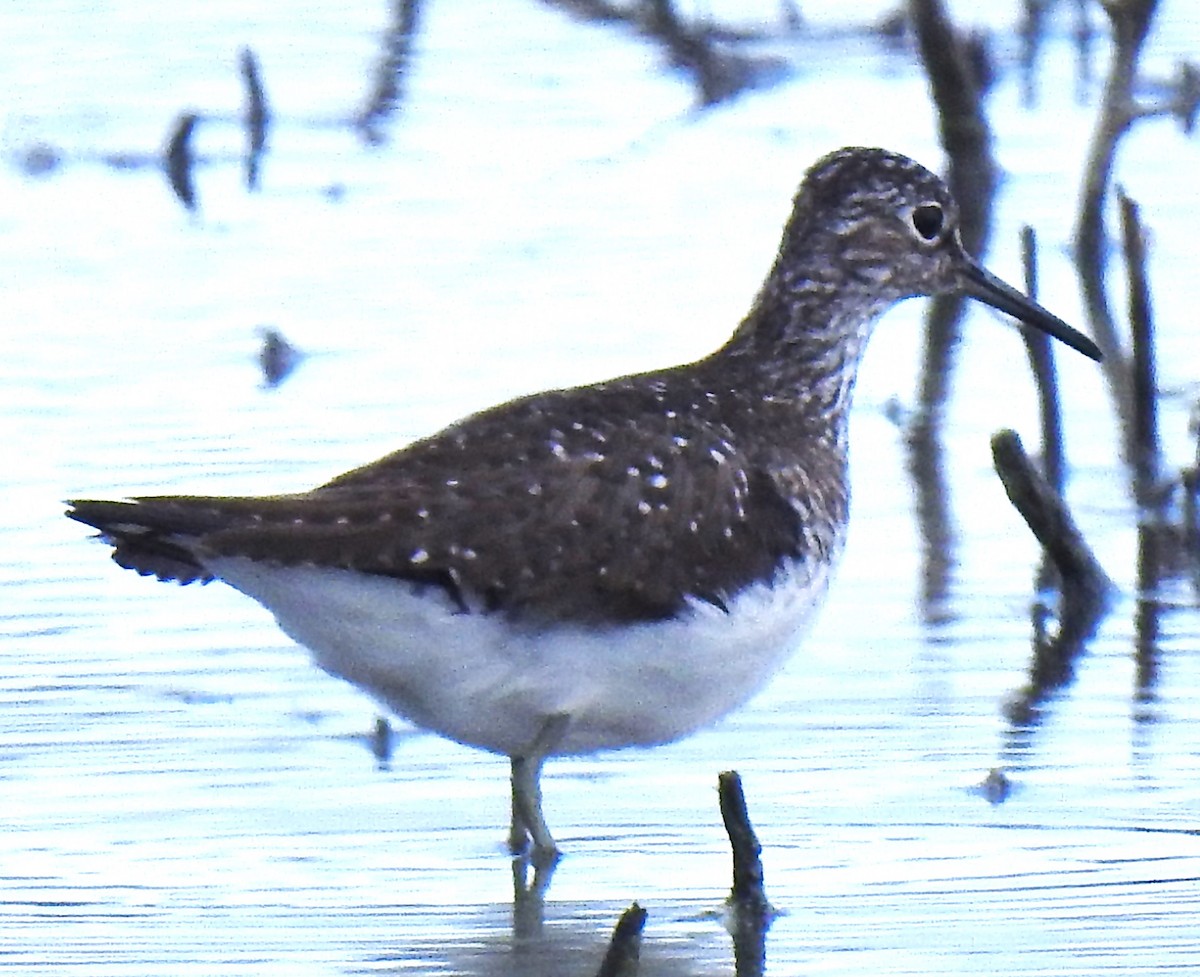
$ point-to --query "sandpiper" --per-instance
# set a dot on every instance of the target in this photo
(609, 565)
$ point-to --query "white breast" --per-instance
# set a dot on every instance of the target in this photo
(484, 681)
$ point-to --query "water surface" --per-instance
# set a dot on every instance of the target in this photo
(184, 793)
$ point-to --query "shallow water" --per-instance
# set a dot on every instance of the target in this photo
(184, 793)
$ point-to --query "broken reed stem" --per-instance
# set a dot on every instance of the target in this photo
(1146, 450)
(1041, 361)
(625, 947)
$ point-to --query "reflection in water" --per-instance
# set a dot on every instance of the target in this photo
(1162, 553)
(1147, 613)
(936, 528)
(530, 884)
(1190, 482)
(1166, 551)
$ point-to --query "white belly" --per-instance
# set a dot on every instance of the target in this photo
(480, 680)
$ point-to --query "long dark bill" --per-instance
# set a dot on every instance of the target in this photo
(981, 284)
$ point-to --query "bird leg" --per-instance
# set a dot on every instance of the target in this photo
(527, 820)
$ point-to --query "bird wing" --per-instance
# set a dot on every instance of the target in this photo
(531, 509)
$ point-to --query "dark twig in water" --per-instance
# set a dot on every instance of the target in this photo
(1041, 361)
(1146, 457)
(277, 357)
(389, 75)
(1179, 97)
(257, 117)
(1047, 516)
(719, 73)
(1187, 96)
(178, 160)
(750, 914)
(625, 947)
(996, 787)
(1085, 586)
(381, 742)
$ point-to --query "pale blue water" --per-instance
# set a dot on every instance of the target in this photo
(183, 793)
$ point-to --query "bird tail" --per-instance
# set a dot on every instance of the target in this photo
(153, 537)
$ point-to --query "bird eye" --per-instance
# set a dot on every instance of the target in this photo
(928, 221)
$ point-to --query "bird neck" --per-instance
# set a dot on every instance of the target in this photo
(803, 339)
